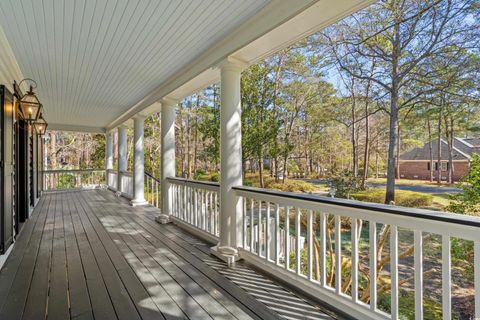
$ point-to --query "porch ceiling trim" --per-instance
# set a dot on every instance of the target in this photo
(74, 128)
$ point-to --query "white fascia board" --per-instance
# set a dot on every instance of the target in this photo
(74, 128)
(457, 150)
(464, 142)
(315, 18)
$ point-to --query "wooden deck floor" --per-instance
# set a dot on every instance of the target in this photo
(89, 255)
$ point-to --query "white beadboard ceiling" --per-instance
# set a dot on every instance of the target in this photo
(95, 59)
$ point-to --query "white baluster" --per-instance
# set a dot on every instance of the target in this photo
(259, 229)
(310, 245)
(446, 278)
(287, 238)
(418, 266)
(354, 229)
(268, 240)
(338, 254)
(252, 231)
(373, 264)
(476, 265)
(298, 229)
(394, 270)
(323, 251)
(277, 234)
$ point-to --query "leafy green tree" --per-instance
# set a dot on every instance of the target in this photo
(259, 124)
(468, 202)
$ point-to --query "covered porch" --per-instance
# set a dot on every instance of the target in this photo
(120, 244)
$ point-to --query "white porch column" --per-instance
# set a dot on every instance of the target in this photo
(109, 153)
(168, 156)
(122, 155)
(230, 160)
(138, 162)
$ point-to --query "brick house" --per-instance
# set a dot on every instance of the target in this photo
(415, 164)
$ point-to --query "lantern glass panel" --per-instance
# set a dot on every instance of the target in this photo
(30, 107)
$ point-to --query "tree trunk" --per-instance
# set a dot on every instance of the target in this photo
(393, 127)
(366, 154)
(260, 169)
(353, 134)
(449, 133)
(430, 148)
(275, 162)
(439, 148)
(392, 149)
(397, 169)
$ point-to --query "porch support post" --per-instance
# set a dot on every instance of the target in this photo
(122, 155)
(138, 162)
(230, 161)
(109, 153)
(168, 156)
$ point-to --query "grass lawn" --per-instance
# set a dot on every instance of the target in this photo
(408, 182)
(440, 201)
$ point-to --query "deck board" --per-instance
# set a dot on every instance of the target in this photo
(89, 255)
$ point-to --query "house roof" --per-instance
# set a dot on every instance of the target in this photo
(463, 148)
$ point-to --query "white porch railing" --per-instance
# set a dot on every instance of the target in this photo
(345, 253)
(152, 190)
(72, 179)
(112, 179)
(196, 203)
(126, 183)
(317, 266)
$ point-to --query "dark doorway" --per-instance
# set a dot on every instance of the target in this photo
(6, 169)
(21, 173)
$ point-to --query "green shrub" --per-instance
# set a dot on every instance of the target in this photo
(345, 185)
(290, 185)
(66, 181)
(468, 202)
(199, 174)
(402, 197)
(248, 183)
(215, 177)
(431, 309)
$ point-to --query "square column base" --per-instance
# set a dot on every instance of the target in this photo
(163, 219)
(138, 203)
(226, 254)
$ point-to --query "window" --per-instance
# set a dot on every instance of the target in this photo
(443, 165)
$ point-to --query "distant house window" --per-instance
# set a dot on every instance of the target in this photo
(443, 165)
(428, 166)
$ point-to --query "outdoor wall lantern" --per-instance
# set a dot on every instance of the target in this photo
(29, 106)
(40, 125)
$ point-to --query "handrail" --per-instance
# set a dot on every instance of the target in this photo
(194, 182)
(63, 179)
(152, 176)
(72, 170)
(383, 208)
